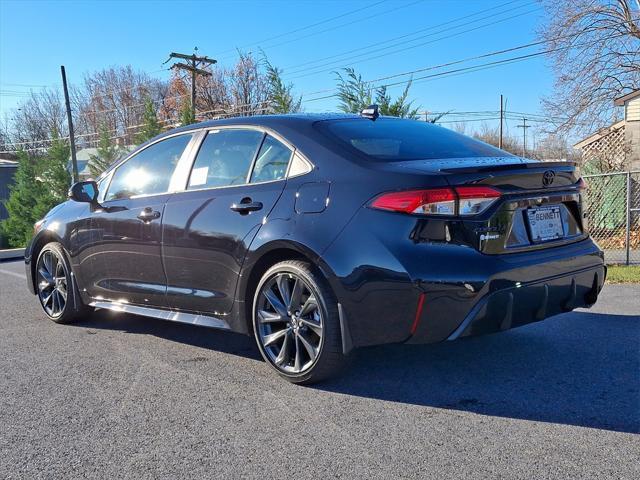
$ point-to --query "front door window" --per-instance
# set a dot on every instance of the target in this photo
(148, 172)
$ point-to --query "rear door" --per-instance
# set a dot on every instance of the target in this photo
(237, 177)
(125, 262)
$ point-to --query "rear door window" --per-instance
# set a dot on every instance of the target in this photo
(225, 158)
(272, 161)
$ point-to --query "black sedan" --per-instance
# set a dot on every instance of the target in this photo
(318, 234)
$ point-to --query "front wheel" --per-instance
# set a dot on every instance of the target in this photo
(56, 289)
(296, 323)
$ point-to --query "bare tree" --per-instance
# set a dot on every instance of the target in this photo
(555, 147)
(248, 86)
(38, 117)
(460, 127)
(491, 135)
(242, 90)
(116, 97)
(595, 52)
(214, 96)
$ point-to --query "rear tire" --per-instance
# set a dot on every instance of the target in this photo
(56, 286)
(296, 323)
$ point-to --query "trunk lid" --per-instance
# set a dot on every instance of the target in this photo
(540, 206)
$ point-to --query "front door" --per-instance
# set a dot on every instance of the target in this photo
(237, 178)
(126, 256)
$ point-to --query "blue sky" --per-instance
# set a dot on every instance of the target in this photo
(37, 37)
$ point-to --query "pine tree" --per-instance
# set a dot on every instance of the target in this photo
(55, 171)
(353, 92)
(356, 94)
(107, 153)
(151, 126)
(280, 94)
(28, 202)
(187, 116)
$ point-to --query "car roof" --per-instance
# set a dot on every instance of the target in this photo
(268, 121)
(272, 121)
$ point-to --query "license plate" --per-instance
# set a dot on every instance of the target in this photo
(545, 223)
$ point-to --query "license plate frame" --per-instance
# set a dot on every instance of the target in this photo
(545, 223)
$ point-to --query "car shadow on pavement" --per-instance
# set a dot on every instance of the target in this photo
(577, 369)
(197, 336)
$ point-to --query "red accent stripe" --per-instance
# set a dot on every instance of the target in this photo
(416, 321)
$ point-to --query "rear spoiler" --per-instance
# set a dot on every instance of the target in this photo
(513, 166)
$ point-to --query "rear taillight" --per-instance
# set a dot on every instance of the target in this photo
(475, 199)
(463, 200)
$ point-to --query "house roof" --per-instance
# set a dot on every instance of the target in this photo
(620, 101)
(603, 132)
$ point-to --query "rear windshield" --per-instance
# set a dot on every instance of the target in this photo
(392, 139)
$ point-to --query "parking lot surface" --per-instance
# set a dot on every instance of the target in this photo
(128, 397)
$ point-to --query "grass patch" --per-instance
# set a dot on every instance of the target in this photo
(623, 274)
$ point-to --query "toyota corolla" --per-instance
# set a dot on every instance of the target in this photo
(318, 234)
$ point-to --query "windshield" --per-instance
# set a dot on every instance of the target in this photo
(394, 139)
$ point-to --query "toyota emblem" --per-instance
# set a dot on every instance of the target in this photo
(547, 178)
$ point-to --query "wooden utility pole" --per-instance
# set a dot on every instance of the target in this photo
(524, 127)
(72, 140)
(194, 62)
(501, 120)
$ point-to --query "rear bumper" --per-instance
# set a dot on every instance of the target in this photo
(516, 290)
(531, 302)
(394, 291)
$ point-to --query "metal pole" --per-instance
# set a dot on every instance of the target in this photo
(628, 232)
(524, 139)
(193, 86)
(72, 140)
(524, 127)
(501, 118)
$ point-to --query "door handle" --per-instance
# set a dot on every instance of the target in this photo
(148, 214)
(246, 205)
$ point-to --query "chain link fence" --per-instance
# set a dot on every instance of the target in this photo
(613, 215)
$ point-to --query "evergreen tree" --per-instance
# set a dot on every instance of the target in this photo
(355, 94)
(55, 171)
(107, 153)
(151, 126)
(187, 116)
(398, 108)
(28, 202)
(280, 94)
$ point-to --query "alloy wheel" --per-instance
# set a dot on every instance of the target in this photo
(289, 323)
(52, 283)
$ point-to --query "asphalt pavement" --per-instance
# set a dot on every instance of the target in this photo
(120, 396)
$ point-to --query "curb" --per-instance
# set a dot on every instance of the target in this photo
(12, 253)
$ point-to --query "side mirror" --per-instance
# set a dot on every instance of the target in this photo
(86, 192)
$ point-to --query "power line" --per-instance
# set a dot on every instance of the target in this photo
(354, 59)
(295, 67)
(404, 49)
(306, 27)
(225, 113)
(358, 20)
(449, 72)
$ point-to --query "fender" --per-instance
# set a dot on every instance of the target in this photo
(42, 237)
